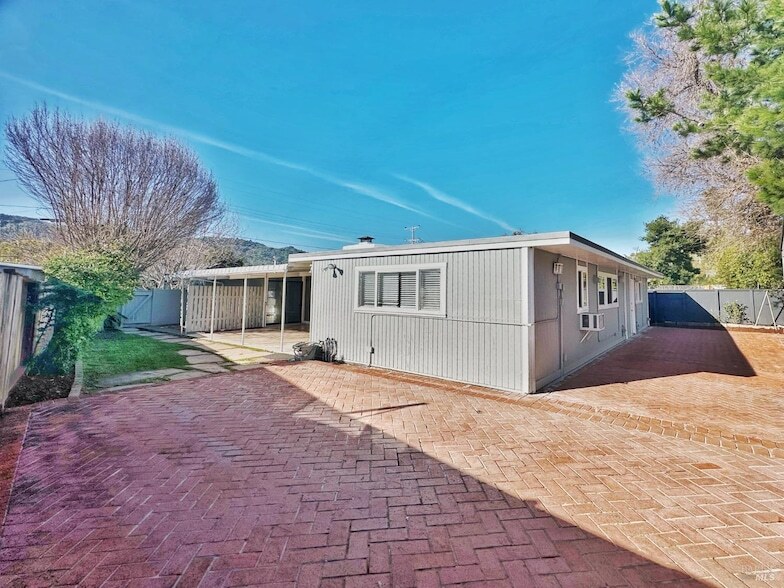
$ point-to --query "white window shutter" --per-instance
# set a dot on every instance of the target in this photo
(388, 289)
(430, 289)
(367, 288)
(408, 290)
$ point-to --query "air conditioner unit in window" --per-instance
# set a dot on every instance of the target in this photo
(590, 321)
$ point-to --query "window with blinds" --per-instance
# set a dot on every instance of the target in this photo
(397, 289)
(409, 289)
(367, 289)
(430, 289)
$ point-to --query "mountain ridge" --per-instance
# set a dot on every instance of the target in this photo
(248, 251)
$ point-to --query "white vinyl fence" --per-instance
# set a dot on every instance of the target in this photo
(228, 308)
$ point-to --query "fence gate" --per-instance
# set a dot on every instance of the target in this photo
(139, 310)
(152, 307)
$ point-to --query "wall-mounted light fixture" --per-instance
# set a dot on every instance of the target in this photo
(335, 270)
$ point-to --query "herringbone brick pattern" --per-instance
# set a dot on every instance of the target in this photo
(13, 425)
(716, 380)
(315, 474)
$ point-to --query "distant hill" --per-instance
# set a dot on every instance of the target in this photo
(12, 226)
(246, 251)
(255, 253)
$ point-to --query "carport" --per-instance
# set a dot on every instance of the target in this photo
(247, 303)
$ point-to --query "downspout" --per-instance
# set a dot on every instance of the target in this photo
(371, 350)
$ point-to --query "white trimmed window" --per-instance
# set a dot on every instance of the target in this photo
(417, 289)
(582, 286)
(608, 290)
(637, 290)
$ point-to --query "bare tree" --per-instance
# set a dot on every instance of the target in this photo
(108, 184)
(195, 253)
(715, 190)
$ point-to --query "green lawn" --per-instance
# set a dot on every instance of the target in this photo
(113, 352)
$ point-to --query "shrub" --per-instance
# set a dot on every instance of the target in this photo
(82, 288)
(749, 264)
(735, 313)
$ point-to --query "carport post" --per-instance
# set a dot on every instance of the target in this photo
(264, 296)
(302, 307)
(283, 309)
(182, 306)
(244, 307)
(212, 312)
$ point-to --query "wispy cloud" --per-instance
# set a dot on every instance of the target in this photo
(303, 231)
(352, 185)
(455, 202)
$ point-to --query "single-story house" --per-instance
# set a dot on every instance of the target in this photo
(515, 312)
(19, 285)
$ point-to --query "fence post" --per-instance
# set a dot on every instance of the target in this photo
(718, 305)
(652, 306)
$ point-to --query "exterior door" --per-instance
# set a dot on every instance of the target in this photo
(293, 300)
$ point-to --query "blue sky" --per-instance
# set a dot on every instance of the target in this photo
(323, 121)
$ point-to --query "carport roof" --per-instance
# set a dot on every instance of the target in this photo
(249, 271)
(564, 243)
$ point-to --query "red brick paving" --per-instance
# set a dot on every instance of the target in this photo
(731, 382)
(12, 428)
(315, 474)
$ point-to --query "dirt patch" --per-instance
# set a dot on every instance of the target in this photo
(31, 389)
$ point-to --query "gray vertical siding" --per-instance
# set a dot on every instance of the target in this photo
(643, 316)
(481, 340)
(576, 351)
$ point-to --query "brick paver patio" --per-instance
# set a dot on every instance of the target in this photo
(317, 474)
(730, 381)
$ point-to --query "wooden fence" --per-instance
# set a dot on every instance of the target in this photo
(13, 294)
(228, 308)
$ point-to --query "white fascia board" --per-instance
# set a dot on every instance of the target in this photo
(236, 272)
(562, 240)
(620, 260)
(515, 242)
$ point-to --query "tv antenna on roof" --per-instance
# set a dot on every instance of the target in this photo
(413, 239)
